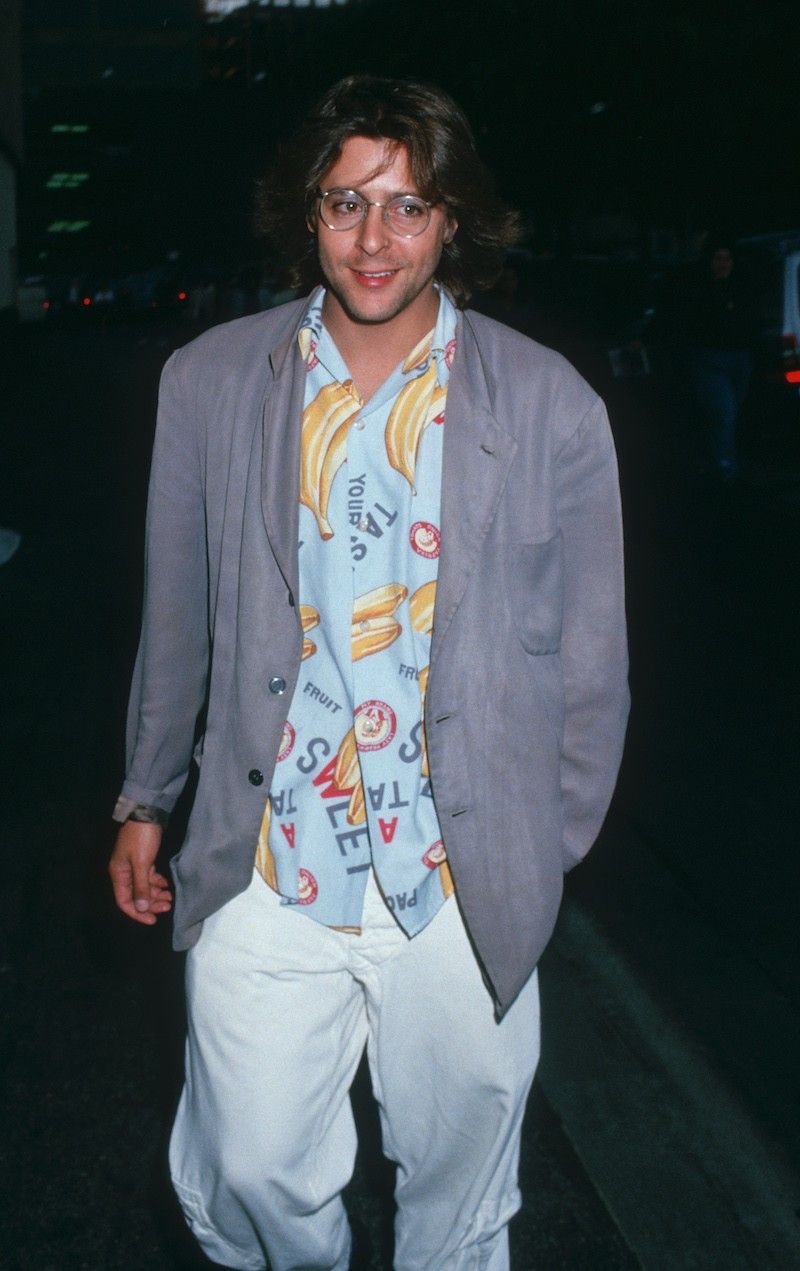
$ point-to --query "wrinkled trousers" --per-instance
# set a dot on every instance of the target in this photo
(280, 1009)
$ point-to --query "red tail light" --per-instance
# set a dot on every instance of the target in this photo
(181, 295)
(792, 377)
(87, 300)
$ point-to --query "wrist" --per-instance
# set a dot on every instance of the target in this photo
(143, 813)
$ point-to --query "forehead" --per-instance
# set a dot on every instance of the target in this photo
(372, 164)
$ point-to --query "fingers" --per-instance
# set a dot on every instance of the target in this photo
(160, 894)
(140, 891)
(142, 869)
(122, 884)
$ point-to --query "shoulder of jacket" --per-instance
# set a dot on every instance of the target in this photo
(240, 342)
(525, 373)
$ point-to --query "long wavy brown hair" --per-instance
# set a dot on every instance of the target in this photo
(443, 159)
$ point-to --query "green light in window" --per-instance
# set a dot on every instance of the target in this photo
(69, 127)
(66, 180)
(67, 227)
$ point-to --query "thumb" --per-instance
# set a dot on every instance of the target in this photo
(141, 886)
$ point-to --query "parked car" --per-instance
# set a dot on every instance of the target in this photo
(773, 261)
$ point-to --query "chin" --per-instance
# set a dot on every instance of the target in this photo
(358, 311)
(373, 310)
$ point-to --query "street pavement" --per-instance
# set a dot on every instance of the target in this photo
(663, 1131)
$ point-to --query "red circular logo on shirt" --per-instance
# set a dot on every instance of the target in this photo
(435, 855)
(375, 725)
(425, 539)
(307, 889)
(287, 741)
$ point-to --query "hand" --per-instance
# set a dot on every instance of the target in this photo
(139, 890)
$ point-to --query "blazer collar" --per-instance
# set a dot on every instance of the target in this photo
(280, 465)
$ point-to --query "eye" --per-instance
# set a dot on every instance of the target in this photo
(408, 209)
(342, 207)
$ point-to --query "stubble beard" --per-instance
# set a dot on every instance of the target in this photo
(367, 316)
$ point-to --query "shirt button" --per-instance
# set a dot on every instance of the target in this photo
(363, 524)
(277, 685)
(359, 424)
(256, 777)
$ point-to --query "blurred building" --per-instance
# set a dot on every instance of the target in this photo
(254, 41)
(135, 150)
(100, 79)
(10, 151)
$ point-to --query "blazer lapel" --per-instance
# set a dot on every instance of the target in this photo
(280, 470)
(476, 461)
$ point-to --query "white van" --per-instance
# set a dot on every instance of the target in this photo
(774, 263)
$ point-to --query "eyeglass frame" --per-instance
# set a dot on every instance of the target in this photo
(367, 204)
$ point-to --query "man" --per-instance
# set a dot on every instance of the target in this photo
(384, 564)
(718, 331)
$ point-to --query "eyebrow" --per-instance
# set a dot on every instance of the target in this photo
(396, 194)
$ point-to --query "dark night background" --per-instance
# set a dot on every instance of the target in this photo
(664, 1131)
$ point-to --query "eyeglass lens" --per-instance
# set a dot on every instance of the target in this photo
(345, 209)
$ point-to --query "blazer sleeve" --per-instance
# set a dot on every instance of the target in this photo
(593, 645)
(171, 671)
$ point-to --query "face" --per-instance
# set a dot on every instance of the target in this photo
(373, 274)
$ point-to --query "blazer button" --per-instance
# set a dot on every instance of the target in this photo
(256, 777)
(277, 685)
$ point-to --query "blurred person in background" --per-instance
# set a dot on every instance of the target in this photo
(717, 328)
(384, 567)
(202, 308)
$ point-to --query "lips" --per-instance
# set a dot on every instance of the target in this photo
(374, 278)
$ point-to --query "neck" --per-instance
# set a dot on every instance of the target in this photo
(371, 350)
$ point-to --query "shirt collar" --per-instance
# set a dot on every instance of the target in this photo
(438, 343)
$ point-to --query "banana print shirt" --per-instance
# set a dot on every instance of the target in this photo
(351, 788)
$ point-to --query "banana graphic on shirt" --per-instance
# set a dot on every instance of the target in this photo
(305, 340)
(419, 354)
(374, 628)
(265, 861)
(418, 403)
(326, 423)
(421, 608)
(347, 776)
(309, 618)
(446, 880)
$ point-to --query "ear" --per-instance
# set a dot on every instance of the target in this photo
(450, 230)
(311, 224)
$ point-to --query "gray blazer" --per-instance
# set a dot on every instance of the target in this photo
(527, 694)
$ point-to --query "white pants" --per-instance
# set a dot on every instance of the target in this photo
(280, 1008)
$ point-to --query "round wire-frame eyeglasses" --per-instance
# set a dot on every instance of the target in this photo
(405, 214)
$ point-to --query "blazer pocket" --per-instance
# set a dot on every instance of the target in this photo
(536, 592)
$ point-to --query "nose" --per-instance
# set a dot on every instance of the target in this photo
(373, 233)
